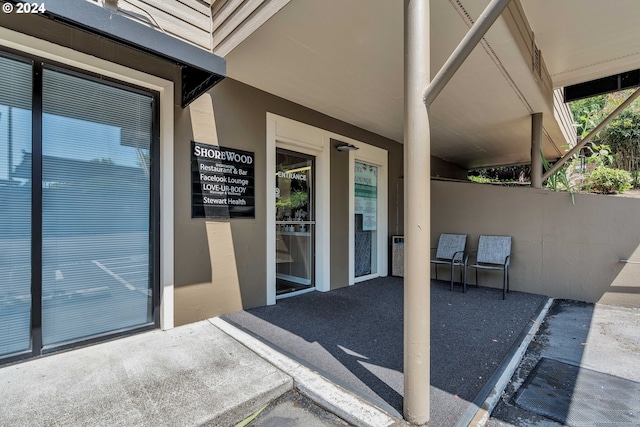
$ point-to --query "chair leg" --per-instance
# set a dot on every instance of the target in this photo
(436, 267)
(508, 279)
(477, 277)
(504, 285)
(464, 278)
(452, 272)
(464, 282)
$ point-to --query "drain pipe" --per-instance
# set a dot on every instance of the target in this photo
(590, 136)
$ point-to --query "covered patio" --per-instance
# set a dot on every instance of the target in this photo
(370, 71)
(354, 337)
(500, 103)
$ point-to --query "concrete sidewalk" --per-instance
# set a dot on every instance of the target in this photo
(596, 341)
(193, 375)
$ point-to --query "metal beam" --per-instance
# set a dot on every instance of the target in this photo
(591, 135)
(417, 221)
(466, 46)
(536, 152)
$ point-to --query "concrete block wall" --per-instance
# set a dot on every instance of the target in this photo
(559, 249)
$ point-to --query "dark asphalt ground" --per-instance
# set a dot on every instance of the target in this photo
(354, 337)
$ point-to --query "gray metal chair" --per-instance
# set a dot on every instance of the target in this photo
(494, 253)
(450, 251)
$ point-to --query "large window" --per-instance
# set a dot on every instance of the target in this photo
(15, 206)
(83, 265)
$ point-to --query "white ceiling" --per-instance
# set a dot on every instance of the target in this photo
(582, 40)
(344, 58)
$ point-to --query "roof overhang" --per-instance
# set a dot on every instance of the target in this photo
(585, 40)
(346, 60)
(201, 70)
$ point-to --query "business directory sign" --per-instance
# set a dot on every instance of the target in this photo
(222, 182)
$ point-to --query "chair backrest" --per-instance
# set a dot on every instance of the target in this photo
(449, 244)
(494, 249)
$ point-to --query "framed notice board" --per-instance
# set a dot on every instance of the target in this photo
(222, 182)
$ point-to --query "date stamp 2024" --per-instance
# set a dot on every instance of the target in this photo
(23, 8)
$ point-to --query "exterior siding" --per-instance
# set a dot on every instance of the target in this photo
(214, 25)
(186, 20)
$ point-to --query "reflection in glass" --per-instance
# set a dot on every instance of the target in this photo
(15, 206)
(295, 222)
(95, 208)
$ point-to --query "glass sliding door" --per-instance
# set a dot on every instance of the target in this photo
(295, 222)
(366, 219)
(15, 206)
(79, 184)
(96, 268)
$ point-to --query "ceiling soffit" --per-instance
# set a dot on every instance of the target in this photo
(345, 59)
(585, 40)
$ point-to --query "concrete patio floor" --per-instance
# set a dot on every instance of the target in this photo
(354, 337)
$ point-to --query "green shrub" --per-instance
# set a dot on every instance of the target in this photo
(609, 181)
(479, 179)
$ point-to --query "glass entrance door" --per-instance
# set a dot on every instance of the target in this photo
(366, 219)
(295, 222)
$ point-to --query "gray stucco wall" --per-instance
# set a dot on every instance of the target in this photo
(234, 115)
(559, 249)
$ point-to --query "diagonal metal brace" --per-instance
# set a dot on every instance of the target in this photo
(591, 135)
(464, 49)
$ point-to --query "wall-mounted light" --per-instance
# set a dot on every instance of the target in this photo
(346, 147)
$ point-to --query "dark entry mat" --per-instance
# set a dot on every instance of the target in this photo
(579, 397)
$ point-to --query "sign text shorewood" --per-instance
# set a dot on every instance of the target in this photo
(222, 182)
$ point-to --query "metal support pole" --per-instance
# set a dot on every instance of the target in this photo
(536, 153)
(466, 46)
(589, 137)
(417, 221)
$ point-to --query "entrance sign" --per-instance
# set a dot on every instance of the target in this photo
(222, 182)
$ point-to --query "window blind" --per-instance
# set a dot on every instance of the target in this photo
(15, 206)
(95, 205)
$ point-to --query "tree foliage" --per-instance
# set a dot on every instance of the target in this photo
(621, 135)
(587, 113)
